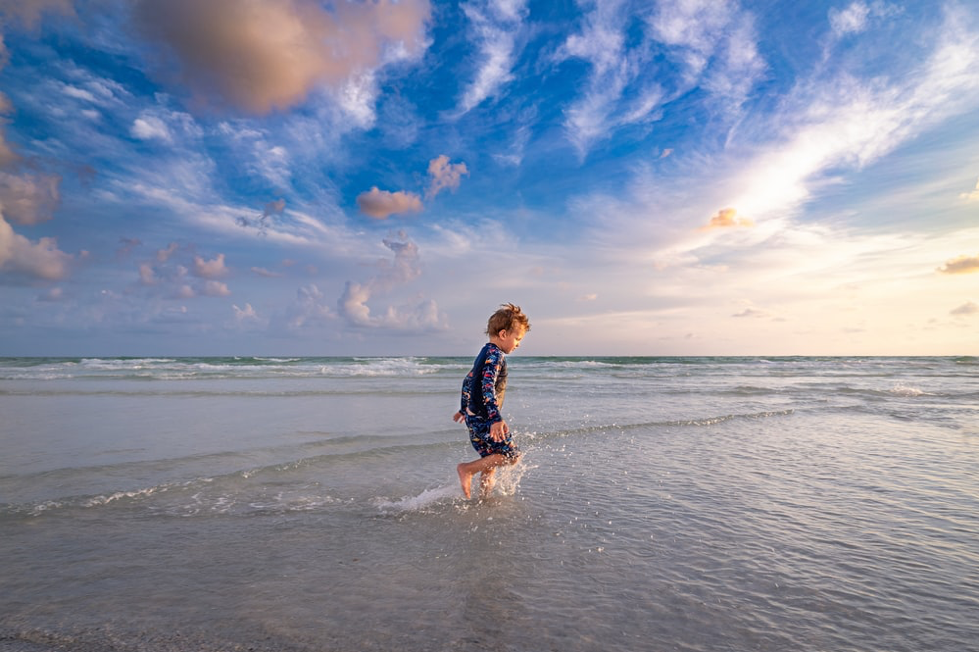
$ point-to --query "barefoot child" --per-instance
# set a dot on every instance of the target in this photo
(482, 399)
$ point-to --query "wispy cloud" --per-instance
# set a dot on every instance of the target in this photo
(713, 42)
(495, 27)
(855, 17)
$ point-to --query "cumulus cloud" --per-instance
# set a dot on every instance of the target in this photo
(444, 175)
(967, 308)
(961, 265)
(41, 260)
(244, 314)
(215, 289)
(495, 28)
(416, 315)
(29, 198)
(178, 273)
(309, 309)
(727, 218)
(210, 268)
(271, 54)
(381, 204)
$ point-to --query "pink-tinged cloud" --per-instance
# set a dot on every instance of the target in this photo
(961, 265)
(261, 55)
(727, 218)
(380, 204)
(29, 198)
(445, 175)
(215, 289)
(41, 259)
(210, 268)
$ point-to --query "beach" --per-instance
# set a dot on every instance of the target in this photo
(688, 504)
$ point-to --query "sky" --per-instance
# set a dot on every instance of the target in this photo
(375, 177)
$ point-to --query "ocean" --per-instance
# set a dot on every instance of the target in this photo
(312, 504)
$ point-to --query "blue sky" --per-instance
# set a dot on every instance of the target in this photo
(295, 177)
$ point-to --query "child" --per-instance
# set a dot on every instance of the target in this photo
(482, 399)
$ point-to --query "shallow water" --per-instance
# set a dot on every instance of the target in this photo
(665, 504)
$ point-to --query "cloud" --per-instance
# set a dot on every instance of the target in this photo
(751, 312)
(210, 268)
(40, 260)
(854, 18)
(971, 196)
(272, 54)
(444, 175)
(215, 289)
(714, 41)
(967, 308)
(244, 314)
(266, 273)
(150, 127)
(495, 26)
(961, 265)
(261, 223)
(380, 204)
(418, 315)
(177, 273)
(29, 198)
(308, 309)
(28, 12)
(727, 218)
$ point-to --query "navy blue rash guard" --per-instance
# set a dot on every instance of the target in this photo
(487, 399)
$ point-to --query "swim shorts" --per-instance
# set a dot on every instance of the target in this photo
(479, 437)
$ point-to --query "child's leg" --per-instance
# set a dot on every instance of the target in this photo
(467, 470)
(487, 480)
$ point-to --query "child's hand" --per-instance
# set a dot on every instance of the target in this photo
(459, 417)
(499, 431)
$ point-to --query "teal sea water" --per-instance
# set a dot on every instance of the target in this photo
(692, 504)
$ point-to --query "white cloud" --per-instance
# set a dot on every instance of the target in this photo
(150, 128)
(495, 28)
(855, 18)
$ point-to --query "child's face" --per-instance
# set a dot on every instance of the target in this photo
(509, 340)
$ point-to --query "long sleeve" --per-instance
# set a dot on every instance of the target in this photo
(493, 383)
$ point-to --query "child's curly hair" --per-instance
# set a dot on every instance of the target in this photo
(506, 318)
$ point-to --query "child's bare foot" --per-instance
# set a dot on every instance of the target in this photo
(465, 479)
